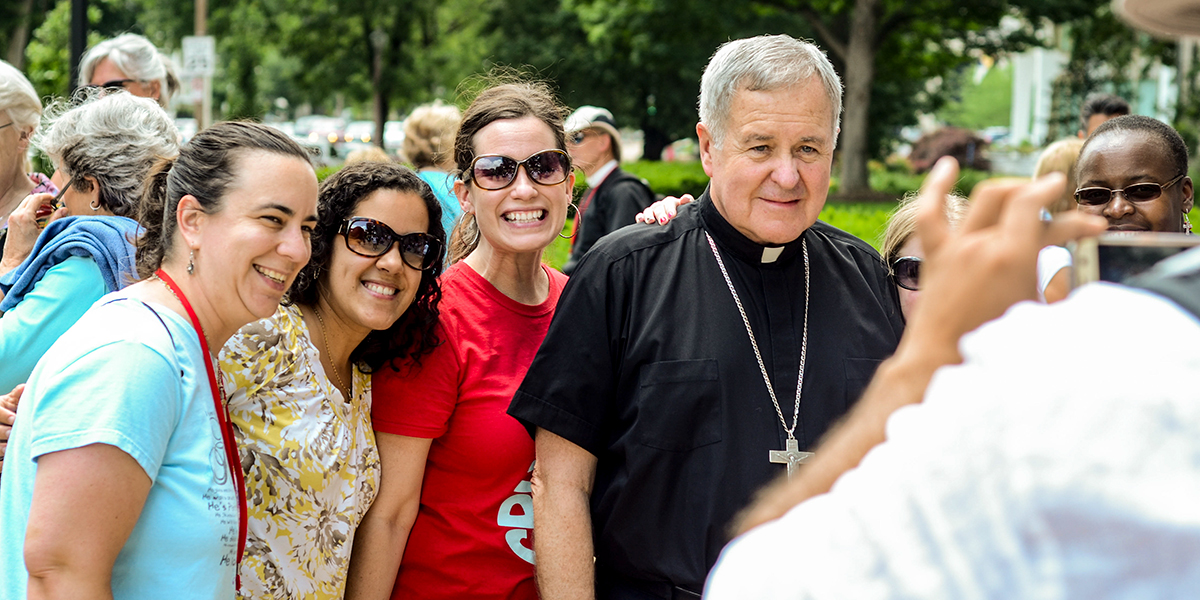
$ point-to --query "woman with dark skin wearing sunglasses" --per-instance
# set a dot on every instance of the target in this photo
(453, 517)
(301, 409)
(1133, 172)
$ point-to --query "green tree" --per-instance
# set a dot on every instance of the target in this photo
(1104, 54)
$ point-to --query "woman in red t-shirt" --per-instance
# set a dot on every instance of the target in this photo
(454, 514)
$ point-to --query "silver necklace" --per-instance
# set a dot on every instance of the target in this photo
(791, 454)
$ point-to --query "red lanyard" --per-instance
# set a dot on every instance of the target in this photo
(231, 452)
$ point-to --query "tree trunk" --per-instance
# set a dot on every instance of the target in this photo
(654, 141)
(20, 36)
(860, 72)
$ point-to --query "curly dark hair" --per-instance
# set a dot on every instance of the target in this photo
(412, 335)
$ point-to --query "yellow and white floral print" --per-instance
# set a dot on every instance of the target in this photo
(311, 464)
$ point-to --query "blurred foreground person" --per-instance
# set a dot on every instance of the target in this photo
(132, 63)
(453, 515)
(300, 388)
(102, 152)
(1000, 477)
(122, 477)
(688, 365)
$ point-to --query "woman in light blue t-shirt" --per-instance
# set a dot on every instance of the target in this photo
(121, 475)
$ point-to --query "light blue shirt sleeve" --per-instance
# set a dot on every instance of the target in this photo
(135, 407)
(56, 302)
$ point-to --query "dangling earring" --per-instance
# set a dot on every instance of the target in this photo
(574, 229)
(1187, 225)
(192, 263)
(95, 205)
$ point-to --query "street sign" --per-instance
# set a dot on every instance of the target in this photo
(199, 56)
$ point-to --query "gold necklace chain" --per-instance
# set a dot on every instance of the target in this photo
(325, 339)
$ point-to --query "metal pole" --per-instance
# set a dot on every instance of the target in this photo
(79, 31)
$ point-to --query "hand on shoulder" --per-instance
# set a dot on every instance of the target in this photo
(664, 210)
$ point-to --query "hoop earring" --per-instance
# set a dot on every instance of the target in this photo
(191, 268)
(576, 228)
(475, 241)
(95, 205)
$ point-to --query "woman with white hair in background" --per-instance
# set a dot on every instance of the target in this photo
(20, 110)
(132, 63)
(102, 151)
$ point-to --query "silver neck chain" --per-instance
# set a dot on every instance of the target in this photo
(754, 343)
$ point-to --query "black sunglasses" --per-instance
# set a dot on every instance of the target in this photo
(368, 237)
(1138, 192)
(496, 172)
(906, 270)
(111, 86)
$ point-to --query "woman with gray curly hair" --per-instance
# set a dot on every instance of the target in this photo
(132, 63)
(102, 150)
(20, 110)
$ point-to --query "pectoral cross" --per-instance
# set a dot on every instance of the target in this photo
(792, 456)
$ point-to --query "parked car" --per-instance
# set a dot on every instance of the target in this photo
(315, 127)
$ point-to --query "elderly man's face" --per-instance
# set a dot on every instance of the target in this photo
(770, 176)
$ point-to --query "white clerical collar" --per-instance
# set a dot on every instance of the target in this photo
(595, 179)
(771, 255)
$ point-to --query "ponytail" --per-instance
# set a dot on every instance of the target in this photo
(464, 239)
(152, 214)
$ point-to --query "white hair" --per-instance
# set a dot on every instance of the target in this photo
(762, 63)
(137, 58)
(18, 98)
(114, 137)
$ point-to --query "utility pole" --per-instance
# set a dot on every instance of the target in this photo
(79, 31)
(203, 83)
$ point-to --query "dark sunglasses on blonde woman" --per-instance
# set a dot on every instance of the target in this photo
(496, 172)
(906, 270)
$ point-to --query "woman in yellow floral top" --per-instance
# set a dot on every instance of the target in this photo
(302, 403)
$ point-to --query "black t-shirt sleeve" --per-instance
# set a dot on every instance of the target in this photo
(570, 385)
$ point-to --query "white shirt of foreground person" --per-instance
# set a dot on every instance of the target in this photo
(1014, 479)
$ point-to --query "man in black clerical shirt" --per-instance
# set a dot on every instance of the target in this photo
(668, 388)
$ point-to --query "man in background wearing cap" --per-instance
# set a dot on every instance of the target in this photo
(613, 198)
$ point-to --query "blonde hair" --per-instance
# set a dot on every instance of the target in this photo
(429, 135)
(902, 224)
(368, 154)
(1061, 157)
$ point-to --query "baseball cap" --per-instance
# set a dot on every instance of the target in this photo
(594, 117)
